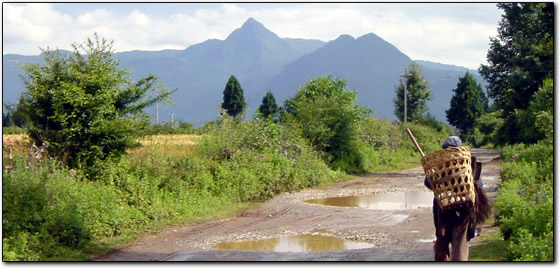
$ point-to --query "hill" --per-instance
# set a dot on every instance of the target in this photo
(261, 61)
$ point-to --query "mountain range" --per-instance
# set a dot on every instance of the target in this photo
(263, 61)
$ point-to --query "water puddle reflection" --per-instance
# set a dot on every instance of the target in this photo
(296, 243)
(382, 201)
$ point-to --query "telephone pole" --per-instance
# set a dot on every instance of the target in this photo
(172, 118)
(157, 112)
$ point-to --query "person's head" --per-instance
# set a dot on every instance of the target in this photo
(451, 141)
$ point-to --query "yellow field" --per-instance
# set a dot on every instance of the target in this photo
(176, 145)
(168, 144)
(149, 140)
(171, 140)
(13, 138)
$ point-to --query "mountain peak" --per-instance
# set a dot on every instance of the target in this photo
(370, 36)
(251, 22)
(251, 29)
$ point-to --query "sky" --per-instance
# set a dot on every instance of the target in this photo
(450, 33)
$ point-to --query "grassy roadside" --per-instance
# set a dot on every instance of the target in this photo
(490, 245)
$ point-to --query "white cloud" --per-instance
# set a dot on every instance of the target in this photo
(90, 19)
(33, 23)
(448, 33)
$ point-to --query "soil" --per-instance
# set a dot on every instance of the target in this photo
(397, 235)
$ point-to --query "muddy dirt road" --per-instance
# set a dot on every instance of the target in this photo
(394, 235)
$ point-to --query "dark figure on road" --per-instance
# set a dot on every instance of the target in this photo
(457, 227)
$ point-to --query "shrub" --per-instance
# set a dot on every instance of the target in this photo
(255, 160)
(82, 107)
(486, 128)
(525, 209)
(328, 117)
(13, 130)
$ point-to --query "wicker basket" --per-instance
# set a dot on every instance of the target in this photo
(449, 172)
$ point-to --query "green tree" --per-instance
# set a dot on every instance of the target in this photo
(268, 106)
(15, 114)
(418, 93)
(83, 107)
(537, 121)
(519, 59)
(7, 119)
(328, 118)
(234, 103)
(467, 104)
(486, 127)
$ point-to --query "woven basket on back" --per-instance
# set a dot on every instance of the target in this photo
(449, 172)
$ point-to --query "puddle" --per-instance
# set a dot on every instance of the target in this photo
(382, 201)
(297, 243)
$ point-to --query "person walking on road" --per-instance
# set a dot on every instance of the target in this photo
(457, 227)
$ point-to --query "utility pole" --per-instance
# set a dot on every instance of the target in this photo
(157, 112)
(171, 118)
(406, 76)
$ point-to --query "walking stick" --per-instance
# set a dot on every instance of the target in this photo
(415, 142)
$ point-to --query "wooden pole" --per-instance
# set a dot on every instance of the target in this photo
(415, 142)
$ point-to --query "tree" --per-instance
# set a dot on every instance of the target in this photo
(418, 93)
(7, 119)
(268, 106)
(234, 103)
(15, 114)
(467, 104)
(328, 117)
(83, 107)
(519, 59)
(537, 121)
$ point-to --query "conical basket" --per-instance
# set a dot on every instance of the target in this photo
(449, 172)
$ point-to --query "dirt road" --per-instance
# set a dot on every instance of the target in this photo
(396, 235)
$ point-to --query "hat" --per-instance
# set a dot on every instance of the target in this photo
(453, 141)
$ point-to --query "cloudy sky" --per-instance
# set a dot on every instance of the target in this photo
(452, 33)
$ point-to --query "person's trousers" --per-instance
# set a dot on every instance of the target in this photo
(452, 229)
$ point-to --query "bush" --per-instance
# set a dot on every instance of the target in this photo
(431, 121)
(525, 201)
(486, 128)
(46, 209)
(169, 128)
(327, 116)
(526, 247)
(82, 107)
(255, 160)
(13, 130)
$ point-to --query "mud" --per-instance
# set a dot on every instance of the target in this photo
(395, 235)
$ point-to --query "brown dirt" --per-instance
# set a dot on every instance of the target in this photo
(399, 235)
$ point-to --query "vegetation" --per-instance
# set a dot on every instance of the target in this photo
(467, 104)
(519, 59)
(485, 130)
(268, 106)
(82, 107)
(525, 202)
(179, 127)
(234, 103)
(491, 248)
(59, 213)
(519, 75)
(15, 115)
(417, 94)
(327, 115)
